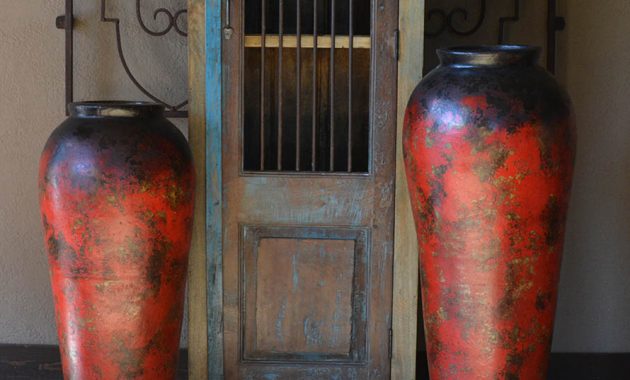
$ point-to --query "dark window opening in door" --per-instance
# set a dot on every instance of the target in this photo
(306, 86)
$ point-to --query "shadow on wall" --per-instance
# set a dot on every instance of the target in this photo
(593, 57)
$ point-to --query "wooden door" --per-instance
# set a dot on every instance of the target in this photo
(309, 126)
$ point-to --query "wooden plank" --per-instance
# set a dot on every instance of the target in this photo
(197, 305)
(285, 270)
(405, 326)
(214, 187)
(323, 42)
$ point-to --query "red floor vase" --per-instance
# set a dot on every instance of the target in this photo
(116, 195)
(489, 143)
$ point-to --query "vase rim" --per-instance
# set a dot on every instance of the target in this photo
(115, 108)
(489, 55)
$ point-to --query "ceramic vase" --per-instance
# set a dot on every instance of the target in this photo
(116, 195)
(489, 145)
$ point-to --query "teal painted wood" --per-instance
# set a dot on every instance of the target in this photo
(214, 181)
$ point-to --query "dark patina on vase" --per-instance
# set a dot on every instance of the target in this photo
(489, 143)
(116, 195)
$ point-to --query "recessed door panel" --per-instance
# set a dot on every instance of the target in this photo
(303, 291)
(308, 188)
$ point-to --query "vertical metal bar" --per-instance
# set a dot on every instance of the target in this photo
(68, 26)
(503, 20)
(331, 86)
(314, 128)
(553, 25)
(279, 79)
(298, 110)
(350, 60)
(228, 15)
(263, 42)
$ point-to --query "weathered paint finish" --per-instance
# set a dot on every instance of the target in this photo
(116, 190)
(214, 186)
(285, 321)
(304, 294)
(301, 202)
(489, 147)
(197, 269)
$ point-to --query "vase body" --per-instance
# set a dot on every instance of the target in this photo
(489, 144)
(116, 195)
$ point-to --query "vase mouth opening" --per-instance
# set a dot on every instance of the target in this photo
(115, 108)
(489, 55)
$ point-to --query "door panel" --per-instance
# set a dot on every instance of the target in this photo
(308, 208)
(282, 265)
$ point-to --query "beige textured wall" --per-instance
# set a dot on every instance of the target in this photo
(594, 62)
(32, 105)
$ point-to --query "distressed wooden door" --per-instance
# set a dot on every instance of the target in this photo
(308, 150)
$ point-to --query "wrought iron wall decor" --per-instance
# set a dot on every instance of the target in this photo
(454, 21)
(173, 25)
(447, 20)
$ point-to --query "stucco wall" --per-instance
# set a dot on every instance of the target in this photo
(594, 58)
(593, 62)
(32, 105)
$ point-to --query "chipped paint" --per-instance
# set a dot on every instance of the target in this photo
(282, 313)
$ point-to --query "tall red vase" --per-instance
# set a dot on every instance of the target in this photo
(489, 143)
(116, 195)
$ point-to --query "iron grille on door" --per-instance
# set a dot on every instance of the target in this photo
(306, 86)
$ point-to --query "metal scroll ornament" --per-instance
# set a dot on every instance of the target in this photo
(171, 22)
(465, 21)
(454, 21)
(447, 21)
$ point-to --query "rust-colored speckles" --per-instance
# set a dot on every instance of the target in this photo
(486, 169)
(118, 233)
(129, 360)
(145, 186)
(54, 247)
(517, 282)
(175, 195)
(489, 173)
(131, 251)
(157, 260)
(66, 256)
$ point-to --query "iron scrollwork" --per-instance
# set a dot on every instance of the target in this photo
(440, 21)
(516, 15)
(173, 21)
(448, 20)
(173, 24)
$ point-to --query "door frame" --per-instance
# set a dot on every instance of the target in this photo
(205, 291)
(406, 282)
(205, 284)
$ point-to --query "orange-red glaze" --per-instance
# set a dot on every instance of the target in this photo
(117, 203)
(489, 177)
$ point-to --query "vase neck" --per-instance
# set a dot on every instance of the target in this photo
(489, 55)
(115, 109)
